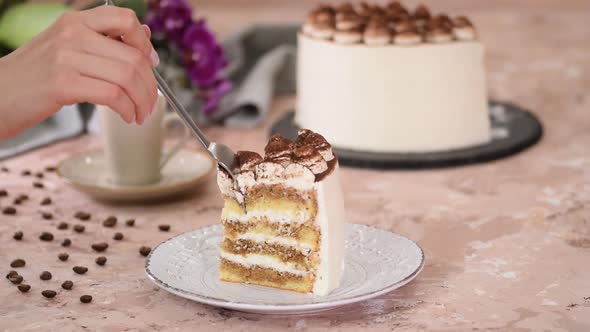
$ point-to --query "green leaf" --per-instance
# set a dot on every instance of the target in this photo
(24, 21)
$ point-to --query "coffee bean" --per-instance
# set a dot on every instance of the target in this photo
(85, 298)
(18, 263)
(18, 236)
(3, 193)
(17, 279)
(49, 293)
(50, 169)
(46, 236)
(130, 222)
(80, 269)
(82, 215)
(118, 236)
(66, 243)
(110, 222)
(79, 228)
(23, 197)
(144, 251)
(39, 175)
(46, 201)
(25, 172)
(24, 288)
(101, 260)
(63, 256)
(45, 275)
(9, 210)
(164, 228)
(68, 284)
(100, 247)
(47, 215)
(4, 169)
(63, 225)
(38, 185)
(17, 201)
(11, 273)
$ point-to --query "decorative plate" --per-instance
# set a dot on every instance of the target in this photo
(376, 262)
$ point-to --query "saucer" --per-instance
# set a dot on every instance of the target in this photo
(184, 172)
(376, 261)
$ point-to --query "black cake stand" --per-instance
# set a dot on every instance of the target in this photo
(513, 130)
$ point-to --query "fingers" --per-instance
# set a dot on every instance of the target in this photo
(100, 92)
(103, 46)
(120, 22)
(119, 73)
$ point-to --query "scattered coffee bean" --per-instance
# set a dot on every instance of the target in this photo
(3, 193)
(9, 210)
(101, 260)
(79, 228)
(39, 175)
(130, 222)
(144, 251)
(100, 247)
(25, 172)
(63, 225)
(11, 273)
(164, 228)
(19, 262)
(50, 169)
(80, 269)
(17, 201)
(4, 169)
(17, 279)
(49, 293)
(47, 215)
(46, 201)
(24, 288)
(66, 243)
(118, 236)
(85, 298)
(63, 256)
(82, 215)
(45, 275)
(18, 236)
(23, 197)
(68, 284)
(110, 222)
(38, 185)
(46, 236)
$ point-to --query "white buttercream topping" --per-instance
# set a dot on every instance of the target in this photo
(271, 262)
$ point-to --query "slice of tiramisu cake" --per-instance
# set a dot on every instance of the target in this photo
(283, 223)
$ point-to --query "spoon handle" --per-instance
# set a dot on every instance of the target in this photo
(177, 106)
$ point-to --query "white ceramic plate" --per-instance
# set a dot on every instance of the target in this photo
(184, 172)
(376, 262)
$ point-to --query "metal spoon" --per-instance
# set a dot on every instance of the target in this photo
(225, 157)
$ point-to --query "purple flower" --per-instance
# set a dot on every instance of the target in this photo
(202, 55)
(212, 96)
(169, 17)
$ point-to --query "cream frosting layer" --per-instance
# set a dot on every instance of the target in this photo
(273, 216)
(280, 240)
(265, 261)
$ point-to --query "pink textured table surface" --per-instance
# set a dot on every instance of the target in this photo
(507, 243)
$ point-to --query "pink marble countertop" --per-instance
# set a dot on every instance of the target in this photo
(507, 243)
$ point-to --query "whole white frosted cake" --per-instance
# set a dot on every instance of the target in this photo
(384, 79)
(284, 221)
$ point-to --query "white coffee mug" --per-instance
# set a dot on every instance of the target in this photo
(133, 152)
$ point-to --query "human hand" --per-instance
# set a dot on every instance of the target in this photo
(102, 56)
